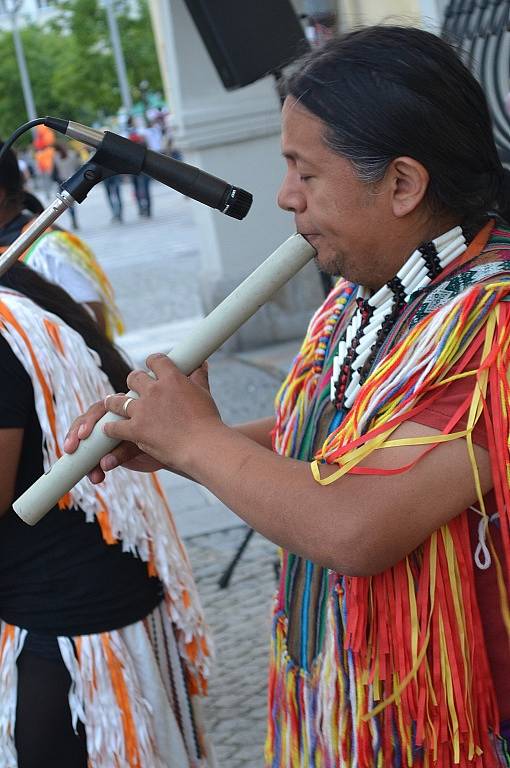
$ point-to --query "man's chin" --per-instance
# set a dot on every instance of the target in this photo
(328, 267)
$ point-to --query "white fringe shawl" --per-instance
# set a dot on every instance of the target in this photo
(59, 248)
(11, 644)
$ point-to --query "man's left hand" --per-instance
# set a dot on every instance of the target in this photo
(172, 416)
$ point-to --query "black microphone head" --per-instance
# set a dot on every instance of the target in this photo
(237, 203)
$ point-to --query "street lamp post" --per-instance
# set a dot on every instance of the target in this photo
(11, 7)
(120, 65)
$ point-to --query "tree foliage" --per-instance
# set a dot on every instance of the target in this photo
(71, 64)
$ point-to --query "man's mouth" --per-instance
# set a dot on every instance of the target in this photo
(309, 235)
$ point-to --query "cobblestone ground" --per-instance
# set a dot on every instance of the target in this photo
(239, 617)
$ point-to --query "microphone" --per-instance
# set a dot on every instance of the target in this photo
(124, 156)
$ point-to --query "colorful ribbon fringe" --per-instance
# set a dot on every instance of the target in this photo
(403, 677)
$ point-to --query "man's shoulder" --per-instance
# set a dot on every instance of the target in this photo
(499, 239)
(489, 266)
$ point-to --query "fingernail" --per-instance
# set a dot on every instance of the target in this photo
(109, 462)
(81, 430)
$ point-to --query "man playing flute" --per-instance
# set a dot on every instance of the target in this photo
(384, 473)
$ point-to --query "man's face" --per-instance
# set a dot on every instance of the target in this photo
(342, 217)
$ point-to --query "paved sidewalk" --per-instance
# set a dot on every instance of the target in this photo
(153, 266)
(239, 618)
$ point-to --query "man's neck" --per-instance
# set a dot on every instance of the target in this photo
(405, 239)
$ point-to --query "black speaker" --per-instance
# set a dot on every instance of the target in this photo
(248, 39)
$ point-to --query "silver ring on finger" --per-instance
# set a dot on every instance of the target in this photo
(126, 404)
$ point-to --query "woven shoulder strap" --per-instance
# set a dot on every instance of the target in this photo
(443, 293)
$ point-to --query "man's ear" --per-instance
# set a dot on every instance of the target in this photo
(409, 181)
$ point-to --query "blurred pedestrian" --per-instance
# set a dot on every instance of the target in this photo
(170, 147)
(140, 181)
(65, 163)
(44, 152)
(25, 168)
(113, 186)
(154, 133)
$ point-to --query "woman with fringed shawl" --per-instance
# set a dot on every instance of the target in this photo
(103, 648)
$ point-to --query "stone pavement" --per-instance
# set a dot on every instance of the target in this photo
(153, 267)
(239, 618)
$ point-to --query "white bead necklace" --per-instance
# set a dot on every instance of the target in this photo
(376, 313)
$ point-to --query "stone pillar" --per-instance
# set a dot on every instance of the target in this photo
(236, 136)
(354, 13)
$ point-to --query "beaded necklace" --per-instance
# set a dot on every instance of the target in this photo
(377, 312)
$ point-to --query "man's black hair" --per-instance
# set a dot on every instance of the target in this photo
(389, 91)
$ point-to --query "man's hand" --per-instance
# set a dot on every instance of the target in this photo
(171, 418)
(125, 454)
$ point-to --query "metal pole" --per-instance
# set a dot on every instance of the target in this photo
(119, 56)
(20, 57)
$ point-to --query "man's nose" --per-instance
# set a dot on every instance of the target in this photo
(290, 198)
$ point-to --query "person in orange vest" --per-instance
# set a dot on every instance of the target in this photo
(44, 155)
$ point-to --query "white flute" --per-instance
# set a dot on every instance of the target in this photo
(206, 337)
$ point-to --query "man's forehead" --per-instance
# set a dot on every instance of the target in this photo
(302, 132)
(295, 114)
(305, 148)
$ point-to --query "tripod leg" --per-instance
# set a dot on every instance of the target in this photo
(229, 570)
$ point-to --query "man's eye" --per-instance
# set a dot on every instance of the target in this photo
(305, 178)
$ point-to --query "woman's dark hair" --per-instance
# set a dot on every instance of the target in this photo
(10, 177)
(388, 91)
(12, 181)
(54, 299)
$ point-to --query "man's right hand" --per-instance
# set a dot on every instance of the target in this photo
(125, 454)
